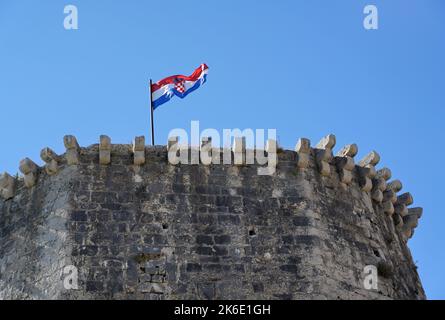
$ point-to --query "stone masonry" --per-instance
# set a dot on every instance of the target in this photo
(137, 227)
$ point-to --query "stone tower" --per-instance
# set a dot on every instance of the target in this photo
(131, 225)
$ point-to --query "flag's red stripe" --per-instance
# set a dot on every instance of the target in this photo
(193, 77)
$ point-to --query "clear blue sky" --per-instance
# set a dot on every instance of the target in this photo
(306, 68)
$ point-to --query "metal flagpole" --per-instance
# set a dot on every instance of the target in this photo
(151, 111)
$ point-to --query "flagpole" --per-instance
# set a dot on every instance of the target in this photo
(151, 117)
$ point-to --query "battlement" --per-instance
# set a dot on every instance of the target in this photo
(374, 183)
(203, 222)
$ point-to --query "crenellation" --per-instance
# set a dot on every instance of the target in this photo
(139, 151)
(344, 161)
(173, 149)
(209, 212)
(172, 142)
(30, 171)
(411, 221)
(400, 202)
(400, 209)
(370, 161)
(378, 187)
(7, 186)
(395, 185)
(384, 173)
(105, 150)
(389, 200)
(416, 211)
(406, 199)
(323, 154)
(72, 150)
(303, 150)
(327, 143)
(380, 183)
(350, 150)
(51, 159)
(388, 196)
(366, 172)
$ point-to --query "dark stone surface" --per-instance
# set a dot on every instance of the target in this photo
(195, 232)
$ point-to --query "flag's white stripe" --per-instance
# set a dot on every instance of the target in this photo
(161, 91)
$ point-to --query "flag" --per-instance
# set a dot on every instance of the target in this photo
(180, 86)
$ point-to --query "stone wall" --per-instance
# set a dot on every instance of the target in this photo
(137, 227)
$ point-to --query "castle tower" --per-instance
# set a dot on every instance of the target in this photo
(131, 225)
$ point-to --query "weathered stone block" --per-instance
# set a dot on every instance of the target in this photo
(395, 185)
(378, 186)
(172, 141)
(369, 162)
(323, 154)
(72, 150)
(303, 149)
(30, 170)
(345, 163)
(384, 173)
(105, 150)
(349, 150)
(327, 142)
(7, 186)
(51, 160)
(406, 199)
(139, 151)
(389, 195)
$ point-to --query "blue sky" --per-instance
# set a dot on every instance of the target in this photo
(306, 68)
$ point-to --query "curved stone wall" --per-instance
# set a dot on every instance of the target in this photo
(135, 226)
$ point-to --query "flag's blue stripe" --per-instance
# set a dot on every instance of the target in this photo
(161, 100)
(168, 95)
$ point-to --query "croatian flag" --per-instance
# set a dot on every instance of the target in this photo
(180, 86)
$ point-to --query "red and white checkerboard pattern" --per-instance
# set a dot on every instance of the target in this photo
(180, 86)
